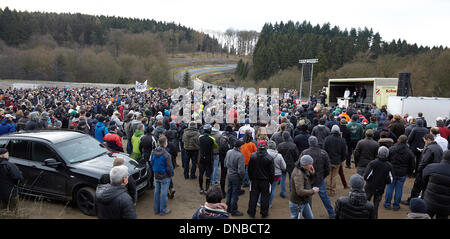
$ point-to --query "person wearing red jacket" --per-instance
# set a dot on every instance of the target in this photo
(113, 140)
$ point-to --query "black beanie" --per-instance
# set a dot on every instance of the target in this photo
(417, 205)
(3, 151)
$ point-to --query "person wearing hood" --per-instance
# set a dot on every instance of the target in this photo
(166, 119)
(112, 200)
(191, 145)
(378, 174)
(213, 208)
(44, 120)
(402, 160)
(365, 151)
(436, 177)
(302, 189)
(337, 151)
(136, 141)
(100, 129)
(416, 142)
(33, 124)
(172, 138)
(112, 139)
(288, 149)
(261, 172)
(355, 205)
(322, 170)
(7, 125)
(161, 163)
(280, 168)
(321, 132)
(432, 153)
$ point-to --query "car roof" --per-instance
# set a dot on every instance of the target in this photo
(53, 136)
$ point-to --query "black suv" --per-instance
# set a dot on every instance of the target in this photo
(65, 165)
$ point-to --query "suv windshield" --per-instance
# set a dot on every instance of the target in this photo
(81, 149)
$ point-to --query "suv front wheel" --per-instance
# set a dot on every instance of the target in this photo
(86, 200)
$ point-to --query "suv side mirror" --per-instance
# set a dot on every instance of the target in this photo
(51, 162)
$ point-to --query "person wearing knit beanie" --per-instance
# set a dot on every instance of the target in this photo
(418, 209)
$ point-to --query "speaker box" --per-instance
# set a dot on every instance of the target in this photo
(404, 84)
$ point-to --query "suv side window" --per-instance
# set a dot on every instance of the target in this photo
(19, 149)
(41, 152)
(3, 143)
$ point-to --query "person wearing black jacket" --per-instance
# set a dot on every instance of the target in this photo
(416, 142)
(261, 173)
(301, 139)
(402, 160)
(290, 154)
(337, 151)
(322, 170)
(131, 185)
(10, 176)
(207, 143)
(378, 174)
(112, 200)
(431, 154)
(355, 205)
(437, 178)
(146, 146)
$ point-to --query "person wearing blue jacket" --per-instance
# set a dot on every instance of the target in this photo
(100, 129)
(7, 126)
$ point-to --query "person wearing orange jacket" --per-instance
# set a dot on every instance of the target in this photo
(247, 149)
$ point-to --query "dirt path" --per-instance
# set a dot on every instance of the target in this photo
(187, 200)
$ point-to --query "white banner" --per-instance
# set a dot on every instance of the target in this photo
(141, 87)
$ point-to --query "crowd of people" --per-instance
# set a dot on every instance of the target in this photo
(310, 148)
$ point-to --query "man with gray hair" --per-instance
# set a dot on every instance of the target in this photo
(113, 200)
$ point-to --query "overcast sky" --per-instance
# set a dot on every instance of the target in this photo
(425, 22)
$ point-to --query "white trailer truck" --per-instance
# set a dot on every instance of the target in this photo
(431, 107)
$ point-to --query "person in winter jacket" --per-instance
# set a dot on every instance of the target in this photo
(207, 146)
(365, 151)
(418, 209)
(261, 172)
(113, 140)
(7, 126)
(337, 151)
(402, 160)
(301, 139)
(443, 143)
(321, 132)
(302, 189)
(355, 205)
(356, 134)
(226, 142)
(235, 164)
(432, 153)
(385, 140)
(135, 141)
(322, 170)
(100, 129)
(378, 174)
(280, 168)
(213, 208)
(437, 178)
(290, 154)
(131, 185)
(159, 130)
(112, 200)
(10, 176)
(216, 157)
(191, 145)
(415, 141)
(247, 149)
(22, 122)
(397, 126)
(33, 124)
(162, 167)
(277, 137)
(410, 127)
(147, 144)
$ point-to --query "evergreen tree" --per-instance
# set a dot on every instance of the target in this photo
(187, 79)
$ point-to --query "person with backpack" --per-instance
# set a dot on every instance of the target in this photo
(290, 153)
(100, 129)
(207, 145)
(226, 143)
(162, 167)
